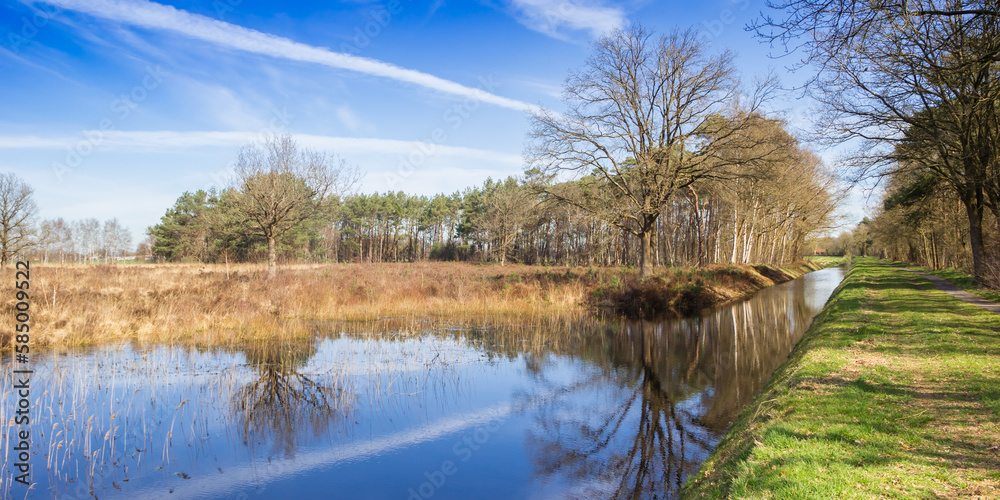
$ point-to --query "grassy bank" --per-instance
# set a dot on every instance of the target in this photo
(959, 278)
(893, 393)
(213, 304)
(826, 260)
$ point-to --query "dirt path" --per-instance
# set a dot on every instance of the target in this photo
(953, 290)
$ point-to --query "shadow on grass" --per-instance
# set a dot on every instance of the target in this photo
(924, 320)
(862, 439)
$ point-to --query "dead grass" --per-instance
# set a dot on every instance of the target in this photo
(201, 304)
(78, 305)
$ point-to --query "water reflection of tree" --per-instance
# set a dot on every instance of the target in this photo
(658, 395)
(639, 441)
(282, 405)
(751, 340)
(671, 390)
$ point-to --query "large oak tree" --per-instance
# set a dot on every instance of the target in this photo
(646, 116)
(280, 185)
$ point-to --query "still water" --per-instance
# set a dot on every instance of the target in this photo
(409, 409)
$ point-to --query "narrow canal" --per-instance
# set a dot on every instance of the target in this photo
(413, 409)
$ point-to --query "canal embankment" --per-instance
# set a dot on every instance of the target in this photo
(688, 291)
(893, 392)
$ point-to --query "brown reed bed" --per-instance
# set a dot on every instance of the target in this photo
(213, 304)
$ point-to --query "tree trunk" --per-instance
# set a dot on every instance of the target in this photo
(697, 220)
(645, 260)
(272, 258)
(975, 211)
(934, 250)
(646, 248)
(736, 237)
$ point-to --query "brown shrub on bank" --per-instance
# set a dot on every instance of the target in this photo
(686, 292)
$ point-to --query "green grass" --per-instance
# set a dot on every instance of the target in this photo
(961, 279)
(826, 261)
(893, 393)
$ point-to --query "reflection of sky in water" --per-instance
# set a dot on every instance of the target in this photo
(600, 409)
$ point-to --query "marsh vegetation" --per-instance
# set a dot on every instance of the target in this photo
(205, 304)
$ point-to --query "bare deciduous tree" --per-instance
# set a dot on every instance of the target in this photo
(17, 209)
(46, 237)
(506, 209)
(87, 233)
(279, 185)
(116, 240)
(921, 74)
(647, 116)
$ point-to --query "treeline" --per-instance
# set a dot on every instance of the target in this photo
(916, 85)
(762, 215)
(924, 221)
(85, 240)
(22, 235)
(663, 157)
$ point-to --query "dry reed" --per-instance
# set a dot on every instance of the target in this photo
(213, 304)
(81, 305)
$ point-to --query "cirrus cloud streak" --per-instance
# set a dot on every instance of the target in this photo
(151, 15)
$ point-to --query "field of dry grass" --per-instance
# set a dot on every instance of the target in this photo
(202, 304)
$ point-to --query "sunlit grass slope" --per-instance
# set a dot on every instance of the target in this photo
(893, 393)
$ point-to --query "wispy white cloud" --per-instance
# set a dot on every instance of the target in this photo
(150, 15)
(34, 65)
(175, 141)
(113, 140)
(549, 88)
(555, 17)
(349, 118)
(392, 146)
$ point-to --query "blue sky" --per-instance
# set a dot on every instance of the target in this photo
(113, 108)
